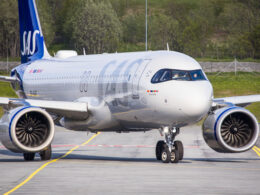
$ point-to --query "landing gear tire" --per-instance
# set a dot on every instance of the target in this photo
(28, 156)
(158, 151)
(179, 147)
(165, 155)
(175, 156)
(46, 154)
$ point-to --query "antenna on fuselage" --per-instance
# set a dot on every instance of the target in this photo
(168, 48)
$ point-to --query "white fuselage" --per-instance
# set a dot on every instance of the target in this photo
(121, 85)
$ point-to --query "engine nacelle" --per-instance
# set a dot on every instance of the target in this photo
(231, 130)
(26, 129)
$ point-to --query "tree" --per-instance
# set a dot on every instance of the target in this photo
(47, 20)
(162, 30)
(94, 26)
(254, 38)
(134, 28)
(119, 6)
(9, 28)
(201, 28)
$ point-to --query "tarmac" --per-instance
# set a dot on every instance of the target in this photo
(111, 163)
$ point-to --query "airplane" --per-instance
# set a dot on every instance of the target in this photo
(119, 92)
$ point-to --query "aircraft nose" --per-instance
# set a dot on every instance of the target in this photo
(198, 100)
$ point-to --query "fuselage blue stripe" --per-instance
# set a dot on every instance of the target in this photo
(215, 126)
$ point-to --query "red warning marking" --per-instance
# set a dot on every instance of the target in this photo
(60, 146)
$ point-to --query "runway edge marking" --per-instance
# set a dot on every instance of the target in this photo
(257, 150)
(46, 164)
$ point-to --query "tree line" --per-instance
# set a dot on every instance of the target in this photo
(200, 28)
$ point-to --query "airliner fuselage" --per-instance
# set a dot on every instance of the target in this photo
(136, 89)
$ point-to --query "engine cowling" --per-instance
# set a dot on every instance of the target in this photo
(26, 129)
(231, 130)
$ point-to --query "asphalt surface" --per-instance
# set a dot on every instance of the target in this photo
(125, 164)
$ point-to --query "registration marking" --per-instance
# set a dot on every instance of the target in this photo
(48, 163)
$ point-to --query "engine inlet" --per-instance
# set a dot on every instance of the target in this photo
(237, 130)
(32, 129)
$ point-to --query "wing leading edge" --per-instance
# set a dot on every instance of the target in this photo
(75, 110)
(237, 100)
(8, 79)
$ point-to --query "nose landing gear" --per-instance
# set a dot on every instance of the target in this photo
(169, 150)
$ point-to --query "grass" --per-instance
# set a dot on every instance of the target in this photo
(6, 91)
(224, 84)
(227, 84)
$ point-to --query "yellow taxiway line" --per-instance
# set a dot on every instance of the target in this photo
(48, 163)
(257, 150)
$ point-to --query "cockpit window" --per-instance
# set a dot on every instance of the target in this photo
(178, 75)
(166, 76)
(157, 76)
(197, 75)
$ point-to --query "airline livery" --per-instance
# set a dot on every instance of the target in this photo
(121, 92)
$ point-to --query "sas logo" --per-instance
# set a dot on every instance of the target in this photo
(29, 37)
(33, 71)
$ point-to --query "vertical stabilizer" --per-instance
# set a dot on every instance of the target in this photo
(31, 37)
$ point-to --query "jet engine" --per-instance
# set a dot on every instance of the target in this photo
(26, 129)
(231, 130)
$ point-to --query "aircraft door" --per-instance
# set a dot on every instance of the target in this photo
(137, 77)
(84, 81)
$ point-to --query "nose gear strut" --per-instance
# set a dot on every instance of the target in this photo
(169, 150)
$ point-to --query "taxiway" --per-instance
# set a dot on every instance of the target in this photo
(113, 163)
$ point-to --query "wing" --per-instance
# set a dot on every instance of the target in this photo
(8, 79)
(74, 110)
(237, 100)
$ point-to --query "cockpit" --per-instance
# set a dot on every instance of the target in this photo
(178, 75)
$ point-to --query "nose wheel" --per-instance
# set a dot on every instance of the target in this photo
(159, 148)
(179, 146)
(169, 150)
